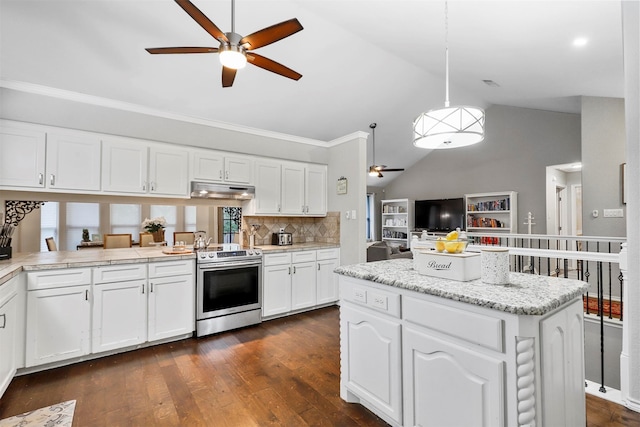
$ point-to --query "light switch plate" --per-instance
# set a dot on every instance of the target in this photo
(353, 214)
(613, 213)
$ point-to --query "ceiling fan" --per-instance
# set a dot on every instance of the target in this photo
(376, 170)
(235, 50)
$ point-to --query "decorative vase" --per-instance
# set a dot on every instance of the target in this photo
(158, 235)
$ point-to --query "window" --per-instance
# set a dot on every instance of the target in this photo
(49, 224)
(371, 234)
(125, 219)
(231, 220)
(79, 217)
(189, 218)
(170, 214)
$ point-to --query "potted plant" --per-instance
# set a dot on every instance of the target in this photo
(155, 226)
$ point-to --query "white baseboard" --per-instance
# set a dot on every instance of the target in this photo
(612, 395)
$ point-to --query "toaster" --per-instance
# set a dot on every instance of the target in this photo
(282, 239)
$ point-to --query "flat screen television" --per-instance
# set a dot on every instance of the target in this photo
(439, 215)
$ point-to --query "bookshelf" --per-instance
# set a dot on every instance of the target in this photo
(492, 212)
(397, 221)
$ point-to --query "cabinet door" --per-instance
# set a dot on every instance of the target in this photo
(207, 166)
(327, 281)
(124, 166)
(119, 315)
(168, 171)
(58, 324)
(371, 362)
(22, 157)
(8, 321)
(293, 201)
(238, 169)
(303, 285)
(563, 374)
(276, 290)
(267, 199)
(316, 190)
(73, 162)
(438, 375)
(171, 306)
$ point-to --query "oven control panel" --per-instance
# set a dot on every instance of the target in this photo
(237, 254)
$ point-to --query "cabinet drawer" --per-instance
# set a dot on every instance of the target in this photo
(304, 256)
(119, 273)
(49, 279)
(474, 328)
(358, 293)
(277, 259)
(323, 254)
(170, 268)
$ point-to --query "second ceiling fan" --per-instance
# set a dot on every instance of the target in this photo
(235, 50)
(376, 170)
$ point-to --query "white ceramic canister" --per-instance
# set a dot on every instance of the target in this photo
(494, 265)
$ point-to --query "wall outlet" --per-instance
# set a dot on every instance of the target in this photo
(613, 213)
(379, 301)
(594, 213)
(360, 295)
(347, 214)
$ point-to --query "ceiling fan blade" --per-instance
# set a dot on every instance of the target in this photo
(391, 170)
(271, 34)
(273, 66)
(228, 75)
(202, 19)
(380, 175)
(155, 50)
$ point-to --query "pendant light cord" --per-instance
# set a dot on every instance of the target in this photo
(446, 53)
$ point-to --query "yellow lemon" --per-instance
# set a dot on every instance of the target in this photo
(452, 235)
(440, 244)
(454, 247)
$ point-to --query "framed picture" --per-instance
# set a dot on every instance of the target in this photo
(96, 238)
(341, 188)
(623, 180)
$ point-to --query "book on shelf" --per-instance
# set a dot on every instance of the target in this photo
(481, 222)
(490, 205)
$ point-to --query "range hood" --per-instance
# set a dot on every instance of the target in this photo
(206, 190)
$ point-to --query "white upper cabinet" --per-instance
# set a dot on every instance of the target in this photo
(316, 189)
(130, 166)
(289, 188)
(73, 161)
(267, 200)
(124, 166)
(22, 157)
(207, 165)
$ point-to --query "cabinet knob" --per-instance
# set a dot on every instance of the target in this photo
(144, 186)
(4, 321)
(142, 288)
(40, 178)
(52, 179)
(289, 271)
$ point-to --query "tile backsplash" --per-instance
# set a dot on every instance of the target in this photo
(302, 229)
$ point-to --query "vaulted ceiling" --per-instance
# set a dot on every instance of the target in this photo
(362, 61)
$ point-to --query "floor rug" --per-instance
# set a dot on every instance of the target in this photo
(58, 415)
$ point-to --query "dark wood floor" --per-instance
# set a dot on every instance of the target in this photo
(283, 372)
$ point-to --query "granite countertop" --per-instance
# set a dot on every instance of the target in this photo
(297, 247)
(83, 258)
(526, 294)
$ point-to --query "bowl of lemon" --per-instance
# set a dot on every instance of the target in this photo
(451, 243)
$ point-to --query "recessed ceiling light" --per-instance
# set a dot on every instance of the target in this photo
(580, 41)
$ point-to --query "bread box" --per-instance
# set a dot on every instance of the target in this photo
(461, 267)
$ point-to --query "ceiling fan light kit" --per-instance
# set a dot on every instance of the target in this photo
(235, 50)
(448, 127)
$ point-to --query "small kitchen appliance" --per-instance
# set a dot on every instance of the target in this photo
(281, 238)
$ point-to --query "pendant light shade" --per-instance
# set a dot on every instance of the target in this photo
(448, 127)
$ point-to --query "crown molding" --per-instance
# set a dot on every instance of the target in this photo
(135, 108)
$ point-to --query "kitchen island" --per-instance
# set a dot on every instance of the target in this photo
(419, 350)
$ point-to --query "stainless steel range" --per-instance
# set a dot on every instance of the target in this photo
(228, 288)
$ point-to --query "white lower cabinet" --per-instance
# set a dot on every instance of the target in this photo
(371, 361)
(119, 307)
(299, 280)
(171, 305)
(8, 333)
(58, 315)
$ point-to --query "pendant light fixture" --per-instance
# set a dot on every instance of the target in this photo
(448, 127)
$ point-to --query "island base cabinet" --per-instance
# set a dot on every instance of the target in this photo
(58, 324)
(8, 330)
(371, 361)
(438, 376)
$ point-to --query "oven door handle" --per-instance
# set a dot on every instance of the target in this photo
(217, 265)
